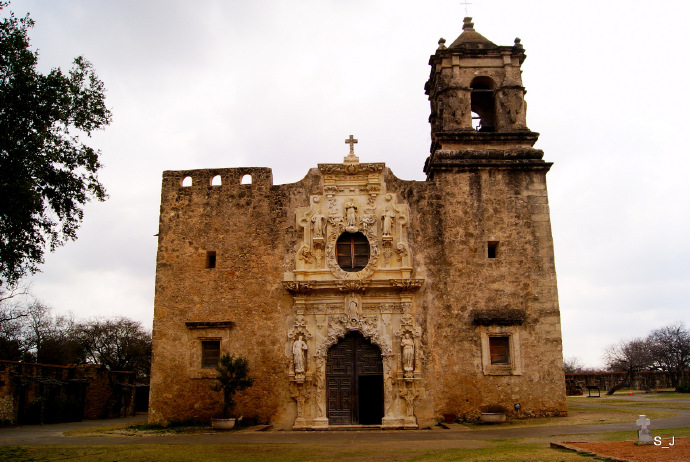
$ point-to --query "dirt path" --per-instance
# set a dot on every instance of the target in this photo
(627, 450)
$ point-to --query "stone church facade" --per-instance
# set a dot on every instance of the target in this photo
(361, 298)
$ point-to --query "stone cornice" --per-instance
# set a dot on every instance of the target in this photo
(352, 285)
(473, 136)
(467, 159)
(352, 168)
(298, 288)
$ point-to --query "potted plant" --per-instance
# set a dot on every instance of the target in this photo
(233, 376)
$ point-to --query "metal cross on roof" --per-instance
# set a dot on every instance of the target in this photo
(351, 141)
(466, 4)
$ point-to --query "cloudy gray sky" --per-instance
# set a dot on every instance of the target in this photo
(281, 84)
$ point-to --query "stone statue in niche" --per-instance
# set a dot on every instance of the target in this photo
(299, 354)
(351, 215)
(319, 221)
(387, 218)
(407, 344)
(353, 309)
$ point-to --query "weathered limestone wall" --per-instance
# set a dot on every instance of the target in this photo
(253, 230)
(87, 391)
(467, 210)
(250, 229)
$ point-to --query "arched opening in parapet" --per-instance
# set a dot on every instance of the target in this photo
(246, 179)
(483, 104)
(215, 181)
(186, 181)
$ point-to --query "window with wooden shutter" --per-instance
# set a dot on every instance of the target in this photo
(352, 251)
(210, 354)
(498, 349)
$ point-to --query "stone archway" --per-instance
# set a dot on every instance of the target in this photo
(354, 382)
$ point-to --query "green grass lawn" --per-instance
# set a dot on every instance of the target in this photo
(502, 450)
(508, 450)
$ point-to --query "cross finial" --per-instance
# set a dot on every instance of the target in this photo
(466, 5)
(351, 158)
(351, 141)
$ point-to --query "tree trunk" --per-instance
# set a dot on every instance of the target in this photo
(618, 386)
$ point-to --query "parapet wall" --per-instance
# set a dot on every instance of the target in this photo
(222, 178)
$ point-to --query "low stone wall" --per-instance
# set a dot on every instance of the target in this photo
(576, 383)
(45, 393)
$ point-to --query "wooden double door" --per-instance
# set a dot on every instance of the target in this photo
(354, 377)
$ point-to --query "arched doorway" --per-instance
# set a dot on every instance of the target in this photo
(354, 377)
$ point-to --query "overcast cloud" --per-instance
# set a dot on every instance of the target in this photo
(282, 84)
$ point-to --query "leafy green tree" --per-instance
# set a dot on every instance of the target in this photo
(46, 173)
(233, 376)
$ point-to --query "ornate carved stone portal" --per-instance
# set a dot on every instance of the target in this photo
(353, 336)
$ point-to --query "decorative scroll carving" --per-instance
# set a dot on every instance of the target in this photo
(401, 250)
(407, 285)
(299, 328)
(304, 254)
(339, 325)
(352, 285)
(298, 288)
(366, 223)
(359, 168)
(410, 394)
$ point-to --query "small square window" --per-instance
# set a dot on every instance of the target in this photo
(210, 354)
(499, 350)
(492, 249)
(210, 259)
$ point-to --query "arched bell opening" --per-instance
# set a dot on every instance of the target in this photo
(483, 104)
(354, 381)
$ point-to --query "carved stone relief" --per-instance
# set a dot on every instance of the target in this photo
(376, 301)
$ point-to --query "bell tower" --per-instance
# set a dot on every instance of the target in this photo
(477, 101)
(494, 263)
